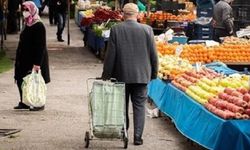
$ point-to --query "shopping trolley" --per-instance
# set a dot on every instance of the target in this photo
(107, 111)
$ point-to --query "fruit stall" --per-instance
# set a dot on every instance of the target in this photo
(196, 122)
(208, 102)
(95, 21)
(233, 51)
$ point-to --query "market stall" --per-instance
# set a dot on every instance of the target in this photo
(208, 102)
(196, 122)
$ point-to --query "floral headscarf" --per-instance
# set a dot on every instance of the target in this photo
(33, 10)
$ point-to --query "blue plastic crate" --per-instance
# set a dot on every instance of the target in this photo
(179, 39)
(203, 29)
(204, 12)
(205, 36)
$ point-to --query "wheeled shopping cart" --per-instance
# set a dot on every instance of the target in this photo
(107, 111)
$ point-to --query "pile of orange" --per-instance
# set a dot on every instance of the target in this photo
(231, 53)
(164, 16)
(193, 53)
(165, 49)
(228, 53)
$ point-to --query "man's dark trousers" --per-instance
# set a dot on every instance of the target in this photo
(138, 95)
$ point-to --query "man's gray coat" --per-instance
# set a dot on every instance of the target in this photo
(131, 55)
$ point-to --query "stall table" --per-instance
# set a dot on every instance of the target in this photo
(196, 123)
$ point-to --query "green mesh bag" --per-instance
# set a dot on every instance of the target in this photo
(107, 104)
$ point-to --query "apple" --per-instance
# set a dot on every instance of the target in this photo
(236, 93)
(212, 100)
(223, 96)
(242, 90)
(246, 97)
(247, 111)
(230, 98)
(229, 90)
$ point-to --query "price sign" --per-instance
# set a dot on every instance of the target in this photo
(106, 33)
(178, 50)
(198, 66)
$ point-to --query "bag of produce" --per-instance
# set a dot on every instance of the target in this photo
(34, 89)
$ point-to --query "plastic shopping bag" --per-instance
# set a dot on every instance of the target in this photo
(34, 90)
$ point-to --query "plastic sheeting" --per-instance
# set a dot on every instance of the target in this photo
(197, 123)
(221, 68)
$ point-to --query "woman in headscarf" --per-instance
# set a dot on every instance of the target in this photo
(32, 51)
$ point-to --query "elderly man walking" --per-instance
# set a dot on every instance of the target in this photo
(132, 58)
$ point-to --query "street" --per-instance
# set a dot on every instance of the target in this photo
(63, 123)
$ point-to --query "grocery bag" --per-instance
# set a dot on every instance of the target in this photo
(34, 89)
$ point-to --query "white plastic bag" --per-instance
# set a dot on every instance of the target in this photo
(34, 90)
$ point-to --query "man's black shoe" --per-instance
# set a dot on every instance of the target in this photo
(60, 40)
(138, 142)
(21, 106)
(37, 108)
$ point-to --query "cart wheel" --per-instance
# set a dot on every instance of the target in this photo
(125, 141)
(87, 138)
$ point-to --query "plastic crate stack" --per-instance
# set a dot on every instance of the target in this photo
(241, 11)
(204, 32)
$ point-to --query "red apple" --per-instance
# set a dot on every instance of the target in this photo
(230, 98)
(236, 93)
(212, 100)
(247, 111)
(228, 91)
(222, 96)
(246, 97)
(242, 90)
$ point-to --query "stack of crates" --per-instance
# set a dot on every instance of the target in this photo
(241, 11)
(204, 32)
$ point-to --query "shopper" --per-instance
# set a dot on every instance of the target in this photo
(52, 14)
(61, 11)
(31, 52)
(223, 19)
(132, 58)
(12, 17)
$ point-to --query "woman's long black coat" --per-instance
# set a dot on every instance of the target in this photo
(32, 50)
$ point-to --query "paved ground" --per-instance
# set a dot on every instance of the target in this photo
(62, 125)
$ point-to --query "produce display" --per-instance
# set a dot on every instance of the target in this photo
(101, 15)
(87, 13)
(172, 66)
(164, 17)
(200, 85)
(235, 40)
(230, 53)
(231, 104)
(227, 97)
(98, 29)
(236, 81)
(227, 53)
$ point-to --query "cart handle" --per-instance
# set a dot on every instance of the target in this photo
(98, 78)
